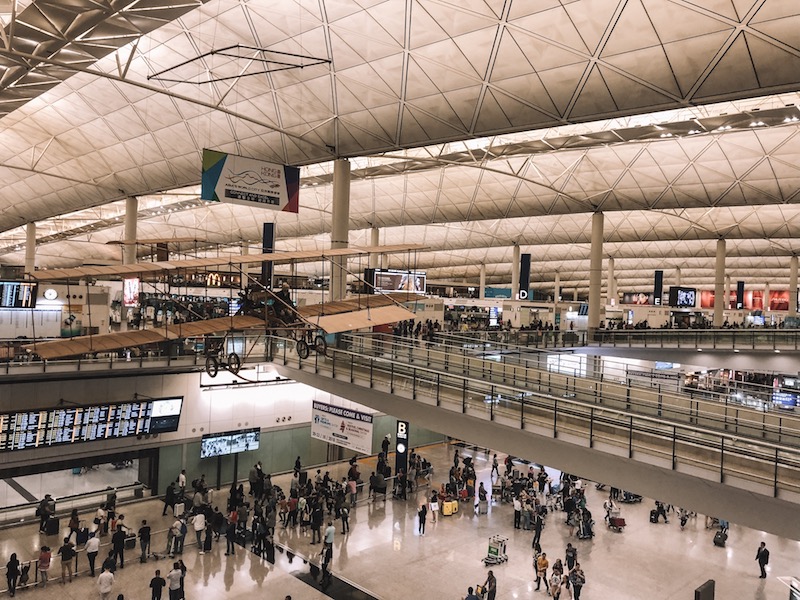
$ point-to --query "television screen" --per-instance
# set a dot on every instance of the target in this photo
(229, 442)
(395, 280)
(18, 294)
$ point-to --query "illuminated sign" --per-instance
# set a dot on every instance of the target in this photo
(130, 291)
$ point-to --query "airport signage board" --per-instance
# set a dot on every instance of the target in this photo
(249, 182)
(341, 426)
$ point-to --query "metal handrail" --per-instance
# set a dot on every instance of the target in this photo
(770, 464)
(745, 338)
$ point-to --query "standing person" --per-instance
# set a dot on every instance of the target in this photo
(105, 583)
(327, 558)
(46, 509)
(517, 512)
(578, 579)
(118, 544)
(181, 484)
(297, 466)
(67, 553)
(434, 505)
(230, 539)
(762, 556)
(490, 585)
(571, 557)
(92, 547)
(74, 522)
(330, 531)
(183, 569)
(344, 513)
(44, 564)
(495, 466)
(157, 584)
(12, 574)
(471, 595)
(144, 540)
(169, 499)
(174, 582)
(542, 565)
(199, 525)
(422, 513)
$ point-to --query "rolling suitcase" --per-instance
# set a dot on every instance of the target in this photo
(82, 536)
(51, 526)
(720, 538)
(178, 509)
(453, 506)
(654, 516)
(303, 478)
(447, 509)
(207, 543)
(130, 541)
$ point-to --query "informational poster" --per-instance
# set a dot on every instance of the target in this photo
(249, 182)
(342, 426)
(130, 291)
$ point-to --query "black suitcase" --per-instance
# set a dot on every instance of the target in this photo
(130, 541)
(720, 538)
(207, 543)
(82, 536)
(51, 526)
(303, 478)
(654, 516)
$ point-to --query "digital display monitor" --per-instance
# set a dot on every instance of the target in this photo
(18, 294)
(786, 400)
(130, 291)
(69, 425)
(229, 442)
(681, 297)
(395, 280)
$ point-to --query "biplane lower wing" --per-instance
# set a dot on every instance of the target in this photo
(108, 342)
(359, 319)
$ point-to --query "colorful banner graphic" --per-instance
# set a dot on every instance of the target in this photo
(342, 426)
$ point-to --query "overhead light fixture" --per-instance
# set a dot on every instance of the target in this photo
(758, 124)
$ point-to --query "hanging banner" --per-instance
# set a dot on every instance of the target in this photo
(249, 182)
(342, 426)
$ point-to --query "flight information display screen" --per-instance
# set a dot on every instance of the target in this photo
(18, 294)
(68, 425)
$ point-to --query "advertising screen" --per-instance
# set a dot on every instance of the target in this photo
(638, 298)
(681, 297)
(229, 442)
(785, 400)
(130, 291)
(391, 280)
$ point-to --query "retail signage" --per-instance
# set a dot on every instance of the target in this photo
(249, 182)
(341, 426)
(524, 276)
(658, 288)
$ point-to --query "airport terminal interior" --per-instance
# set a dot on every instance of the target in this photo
(323, 230)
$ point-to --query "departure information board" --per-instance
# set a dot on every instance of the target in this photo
(68, 425)
(18, 294)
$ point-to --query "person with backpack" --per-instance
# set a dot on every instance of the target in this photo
(571, 557)
(578, 579)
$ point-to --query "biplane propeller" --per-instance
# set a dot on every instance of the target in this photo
(261, 308)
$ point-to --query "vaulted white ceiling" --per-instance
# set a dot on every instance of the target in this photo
(670, 116)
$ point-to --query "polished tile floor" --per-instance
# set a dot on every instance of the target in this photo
(384, 555)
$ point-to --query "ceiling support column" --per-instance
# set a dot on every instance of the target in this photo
(677, 277)
(30, 248)
(765, 305)
(482, 283)
(611, 289)
(131, 219)
(515, 272)
(340, 226)
(793, 286)
(720, 289)
(557, 289)
(374, 240)
(595, 270)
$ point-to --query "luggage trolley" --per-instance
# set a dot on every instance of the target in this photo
(497, 550)
(615, 521)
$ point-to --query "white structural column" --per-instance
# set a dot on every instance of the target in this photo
(793, 287)
(482, 283)
(611, 288)
(766, 296)
(374, 240)
(340, 225)
(678, 277)
(557, 289)
(595, 270)
(720, 291)
(131, 218)
(515, 272)
(30, 247)
(575, 295)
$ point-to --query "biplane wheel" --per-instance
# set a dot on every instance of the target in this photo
(320, 345)
(234, 363)
(212, 366)
(302, 349)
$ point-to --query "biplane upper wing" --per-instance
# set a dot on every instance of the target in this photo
(358, 312)
(143, 268)
(108, 342)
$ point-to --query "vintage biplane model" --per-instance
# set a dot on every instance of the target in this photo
(261, 308)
